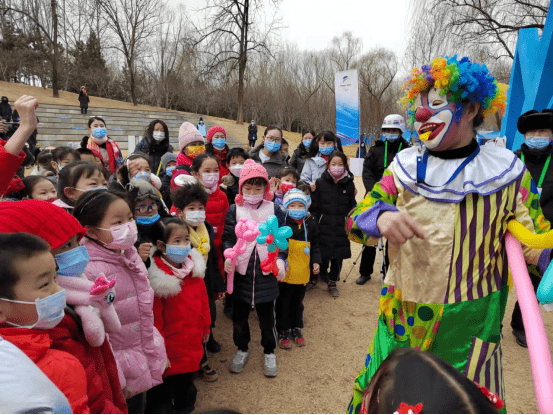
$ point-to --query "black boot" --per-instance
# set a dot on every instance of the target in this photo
(363, 279)
(520, 336)
(212, 345)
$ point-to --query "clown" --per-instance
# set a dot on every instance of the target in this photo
(444, 208)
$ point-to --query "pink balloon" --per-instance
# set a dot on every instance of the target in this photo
(246, 232)
(538, 345)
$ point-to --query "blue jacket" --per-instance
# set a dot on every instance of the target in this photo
(313, 169)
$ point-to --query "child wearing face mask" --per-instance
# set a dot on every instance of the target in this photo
(110, 236)
(74, 332)
(76, 179)
(168, 166)
(99, 141)
(316, 160)
(217, 146)
(191, 144)
(252, 287)
(205, 169)
(190, 201)
(287, 180)
(333, 199)
(136, 166)
(62, 156)
(304, 257)
(31, 302)
(235, 160)
(181, 314)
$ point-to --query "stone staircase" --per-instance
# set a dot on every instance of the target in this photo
(60, 125)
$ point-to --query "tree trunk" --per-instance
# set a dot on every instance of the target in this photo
(242, 62)
(56, 93)
(131, 79)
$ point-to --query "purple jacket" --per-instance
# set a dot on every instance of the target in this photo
(138, 347)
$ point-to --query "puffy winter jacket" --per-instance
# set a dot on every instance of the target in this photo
(535, 161)
(166, 190)
(9, 164)
(214, 282)
(24, 389)
(331, 203)
(102, 380)
(300, 263)
(297, 161)
(155, 150)
(374, 165)
(83, 99)
(253, 287)
(313, 168)
(222, 157)
(215, 212)
(138, 347)
(275, 163)
(181, 313)
(63, 369)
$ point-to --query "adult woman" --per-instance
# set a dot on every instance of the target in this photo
(100, 142)
(83, 100)
(155, 143)
(298, 160)
(317, 157)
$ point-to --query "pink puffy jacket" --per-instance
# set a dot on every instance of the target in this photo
(138, 347)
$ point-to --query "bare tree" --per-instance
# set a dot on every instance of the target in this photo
(231, 36)
(344, 50)
(133, 22)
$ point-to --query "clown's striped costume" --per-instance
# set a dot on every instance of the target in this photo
(447, 294)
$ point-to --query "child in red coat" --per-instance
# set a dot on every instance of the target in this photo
(181, 314)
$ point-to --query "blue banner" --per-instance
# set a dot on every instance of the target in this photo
(347, 106)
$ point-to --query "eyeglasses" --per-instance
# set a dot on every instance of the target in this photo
(147, 208)
(273, 139)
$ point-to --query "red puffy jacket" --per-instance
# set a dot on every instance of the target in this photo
(9, 164)
(63, 369)
(181, 313)
(215, 213)
(103, 388)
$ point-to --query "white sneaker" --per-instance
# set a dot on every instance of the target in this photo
(270, 367)
(240, 359)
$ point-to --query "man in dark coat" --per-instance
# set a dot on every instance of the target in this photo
(252, 134)
(5, 109)
(83, 100)
(378, 158)
(536, 153)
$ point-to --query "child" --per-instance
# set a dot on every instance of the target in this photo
(304, 256)
(136, 166)
(316, 159)
(63, 232)
(333, 199)
(235, 160)
(190, 202)
(181, 313)
(424, 383)
(284, 150)
(43, 164)
(168, 165)
(31, 302)
(90, 156)
(252, 288)
(77, 178)
(191, 144)
(37, 187)
(288, 179)
(217, 146)
(268, 153)
(205, 169)
(62, 156)
(111, 233)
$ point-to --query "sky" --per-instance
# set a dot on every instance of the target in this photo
(312, 24)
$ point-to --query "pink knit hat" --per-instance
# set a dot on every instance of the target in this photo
(188, 134)
(216, 129)
(251, 170)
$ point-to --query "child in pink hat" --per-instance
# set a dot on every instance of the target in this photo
(253, 288)
(191, 144)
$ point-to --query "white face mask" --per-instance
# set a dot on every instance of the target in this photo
(195, 217)
(236, 169)
(158, 135)
(50, 311)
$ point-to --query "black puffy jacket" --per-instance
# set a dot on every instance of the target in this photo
(155, 150)
(297, 161)
(331, 203)
(230, 187)
(535, 162)
(373, 166)
(253, 287)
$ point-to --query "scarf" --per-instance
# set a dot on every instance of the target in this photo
(184, 159)
(115, 156)
(180, 273)
(199, 239)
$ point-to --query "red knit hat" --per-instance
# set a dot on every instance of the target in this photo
(251, 170)
(216, 129)
(40, 218)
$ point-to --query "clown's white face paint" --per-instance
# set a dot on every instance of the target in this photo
(435, 114)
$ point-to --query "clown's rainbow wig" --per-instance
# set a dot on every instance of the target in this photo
(462, 80)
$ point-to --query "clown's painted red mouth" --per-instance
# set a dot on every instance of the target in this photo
(432, 128)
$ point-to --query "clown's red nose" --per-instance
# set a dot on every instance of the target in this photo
(423, 115)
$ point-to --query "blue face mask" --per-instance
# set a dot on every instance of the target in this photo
(306, 143)
(297, 214)
(147, 220)
(326, 150)
(272, 146)
(219, 143)
(537, 142)
(169, 170)
(178, 253)
(72, 263)
(99, 132)
(143, 175)
(391, 137)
